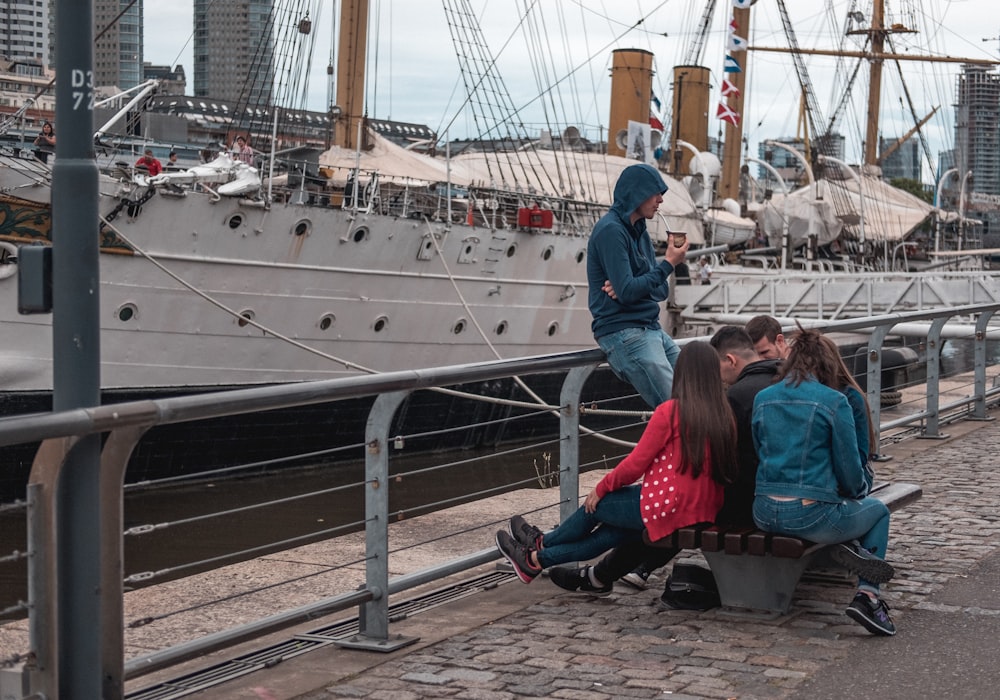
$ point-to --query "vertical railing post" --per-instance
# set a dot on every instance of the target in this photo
(114, 460)
(979, 361)
(874, 377)
(569, 440)
(932, 430)
(373, 616)
(44, 610)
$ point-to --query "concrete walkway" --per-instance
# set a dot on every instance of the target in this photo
(539, 641)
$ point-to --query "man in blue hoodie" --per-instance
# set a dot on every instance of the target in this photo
(626, 285)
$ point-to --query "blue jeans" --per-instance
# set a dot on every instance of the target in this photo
(866, 520)
(586, 535)
(644, 358)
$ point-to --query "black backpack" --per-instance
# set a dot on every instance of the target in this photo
(690, 587)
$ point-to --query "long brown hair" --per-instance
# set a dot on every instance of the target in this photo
(813, 354)
(704, 416)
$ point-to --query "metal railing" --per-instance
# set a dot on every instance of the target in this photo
(124, 425)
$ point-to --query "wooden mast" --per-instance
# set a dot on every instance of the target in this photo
(732, 157)
(351, 48)
(877, 34)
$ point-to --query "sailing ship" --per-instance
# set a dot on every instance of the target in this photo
(233, 275)
(377, 259)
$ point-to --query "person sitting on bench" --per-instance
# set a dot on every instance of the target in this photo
(745, 373)
(685, 457)
(812, 481)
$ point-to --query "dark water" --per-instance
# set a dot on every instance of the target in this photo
(415, 489)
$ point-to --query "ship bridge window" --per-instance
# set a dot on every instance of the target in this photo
(302, 228)
(127, 312)
(235, 221)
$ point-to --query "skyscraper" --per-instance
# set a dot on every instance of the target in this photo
(233, 51)
(24, 31)
(118, 48)
(977, 145)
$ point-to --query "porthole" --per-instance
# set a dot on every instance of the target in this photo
(380, 324)
(511, 250)
(501, 328)
(547, 253)
(580, 255)
(127, 312)
(302, 228)
(326, 322)
(360, 234)
(459, 326)
(246, 316)
(235, 221)
(553, 328)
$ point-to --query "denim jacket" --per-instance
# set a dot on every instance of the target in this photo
(807, 442)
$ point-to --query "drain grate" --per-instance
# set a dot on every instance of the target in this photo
(302, 643)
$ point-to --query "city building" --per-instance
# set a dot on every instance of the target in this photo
(25, 32)
(173, 81)
(118, 43)
(903, 162)
(234, 51)
(977, 145)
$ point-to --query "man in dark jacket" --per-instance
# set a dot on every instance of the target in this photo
(746, 374)
(626, 285)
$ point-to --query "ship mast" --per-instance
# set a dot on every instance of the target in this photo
(877, 34)
(349, 110)
(729, 181)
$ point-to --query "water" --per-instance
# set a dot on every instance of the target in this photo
(414, 490)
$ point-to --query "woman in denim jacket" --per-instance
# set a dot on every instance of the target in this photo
(813, 479)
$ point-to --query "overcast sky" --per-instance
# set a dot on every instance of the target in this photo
(417, 79)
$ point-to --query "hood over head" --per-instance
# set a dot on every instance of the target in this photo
(635, 185)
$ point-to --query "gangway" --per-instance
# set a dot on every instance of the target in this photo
(836, 296)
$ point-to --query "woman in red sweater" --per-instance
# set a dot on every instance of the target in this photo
(685, 457)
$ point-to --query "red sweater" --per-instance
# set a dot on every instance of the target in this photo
(669, 499)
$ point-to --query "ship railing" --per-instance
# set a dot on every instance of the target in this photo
(122, 426)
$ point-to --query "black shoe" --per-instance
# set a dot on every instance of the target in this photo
(577, 579)
(856, 559)
(519, 557)
(528, 535)
(637, 578)
(872, 614)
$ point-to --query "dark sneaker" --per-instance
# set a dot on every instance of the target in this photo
(577, 579)
(519, 557)
(528, 535)
(637, 578)
(872, 614)
(856, 559)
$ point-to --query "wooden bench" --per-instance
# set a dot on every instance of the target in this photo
(758, 571)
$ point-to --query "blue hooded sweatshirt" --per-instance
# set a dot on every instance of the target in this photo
(623, 253)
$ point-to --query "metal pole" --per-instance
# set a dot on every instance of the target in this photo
(937, 207)
(76, 354)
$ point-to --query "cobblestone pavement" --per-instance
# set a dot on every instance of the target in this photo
(539, 641)
(573, 646)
